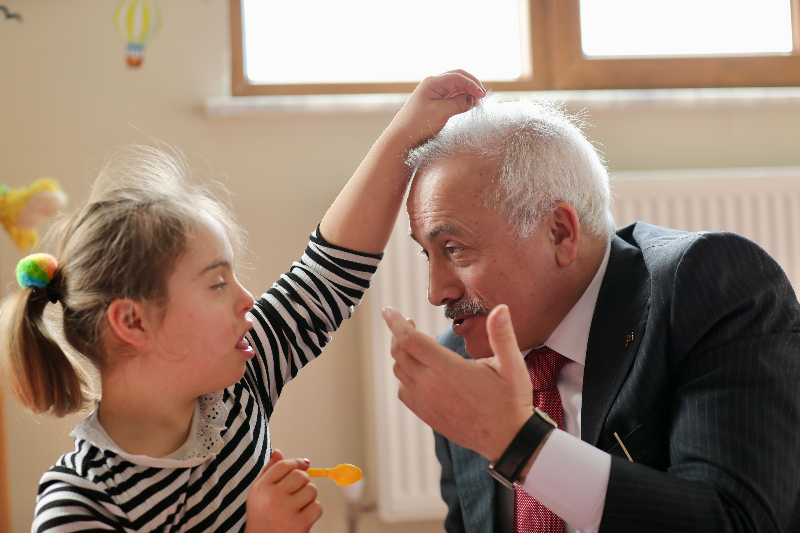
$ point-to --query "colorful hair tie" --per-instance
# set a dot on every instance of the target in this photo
(37, 271)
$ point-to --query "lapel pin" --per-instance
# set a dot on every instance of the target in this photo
(629, 338)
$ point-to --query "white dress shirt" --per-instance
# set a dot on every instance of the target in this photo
(569, 476)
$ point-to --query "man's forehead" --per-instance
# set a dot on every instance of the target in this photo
(457, 180)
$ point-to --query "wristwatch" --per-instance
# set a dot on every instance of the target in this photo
(510, 465)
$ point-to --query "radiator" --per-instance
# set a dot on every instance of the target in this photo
(408, 471)
(761, 204)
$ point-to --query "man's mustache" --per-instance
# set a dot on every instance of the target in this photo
(473, 305)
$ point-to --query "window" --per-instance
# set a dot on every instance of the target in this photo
(633, 28)
(513, 45)
(365, 41)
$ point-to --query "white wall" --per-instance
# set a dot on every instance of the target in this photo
(66, 99)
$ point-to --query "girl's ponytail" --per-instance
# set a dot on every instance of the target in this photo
(39, 374)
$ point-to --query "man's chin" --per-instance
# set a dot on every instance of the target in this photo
(473, 331)
(477, 348)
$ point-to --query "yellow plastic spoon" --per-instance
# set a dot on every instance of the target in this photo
(342, 475)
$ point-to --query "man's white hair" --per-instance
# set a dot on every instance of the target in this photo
(543, 158)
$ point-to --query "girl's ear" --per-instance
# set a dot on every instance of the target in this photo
(126, 319)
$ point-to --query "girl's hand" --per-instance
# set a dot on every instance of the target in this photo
(282, 498)
(432, 104)
(363, 215)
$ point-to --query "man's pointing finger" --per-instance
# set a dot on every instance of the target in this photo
(416, 344)
(406, 333)
(399, 326)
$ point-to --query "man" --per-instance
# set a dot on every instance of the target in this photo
(673, 359)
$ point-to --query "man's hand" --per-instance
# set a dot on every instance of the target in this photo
(479, 404)
(282, 498)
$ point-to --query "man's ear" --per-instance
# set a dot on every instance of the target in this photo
(565, 227)
(126, 319)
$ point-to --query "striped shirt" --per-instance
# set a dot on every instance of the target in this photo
(95, 489)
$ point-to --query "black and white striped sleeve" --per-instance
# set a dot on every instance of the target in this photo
(293, 321)
(68, 502)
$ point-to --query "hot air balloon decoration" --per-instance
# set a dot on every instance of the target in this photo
(136, 22)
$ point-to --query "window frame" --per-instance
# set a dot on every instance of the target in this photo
(558, 63)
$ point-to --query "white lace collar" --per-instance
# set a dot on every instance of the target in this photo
(204, 440)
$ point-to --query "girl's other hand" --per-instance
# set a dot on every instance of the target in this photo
(282, 498)
(433, 102)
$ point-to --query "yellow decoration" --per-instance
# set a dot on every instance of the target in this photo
(22, 209)
(136, 22)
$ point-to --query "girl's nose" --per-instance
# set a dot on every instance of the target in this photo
(247, 300)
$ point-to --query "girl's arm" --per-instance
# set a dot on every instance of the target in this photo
(293, 321)
(364, 213)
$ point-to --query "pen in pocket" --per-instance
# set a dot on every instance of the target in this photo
(623, 447)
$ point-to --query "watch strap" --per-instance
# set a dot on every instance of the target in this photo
(508, 468)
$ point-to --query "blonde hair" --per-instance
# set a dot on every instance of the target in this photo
(123, 243)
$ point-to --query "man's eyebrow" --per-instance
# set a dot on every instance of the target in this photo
(216, 264)
(445, 228)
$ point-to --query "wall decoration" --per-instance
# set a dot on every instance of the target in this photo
(9, 15)
(136, 22)
(24, 208)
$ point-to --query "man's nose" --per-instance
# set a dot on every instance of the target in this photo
(444, 285)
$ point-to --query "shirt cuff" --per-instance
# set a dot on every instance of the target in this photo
(570, 477)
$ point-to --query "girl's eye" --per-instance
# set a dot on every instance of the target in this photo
(219, 286)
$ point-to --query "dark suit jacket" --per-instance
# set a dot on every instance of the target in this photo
(706, 397)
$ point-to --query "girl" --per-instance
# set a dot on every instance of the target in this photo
(190, 365)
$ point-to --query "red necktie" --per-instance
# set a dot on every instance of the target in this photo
(544, 366)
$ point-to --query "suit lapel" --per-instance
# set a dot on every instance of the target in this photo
(616, 332)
